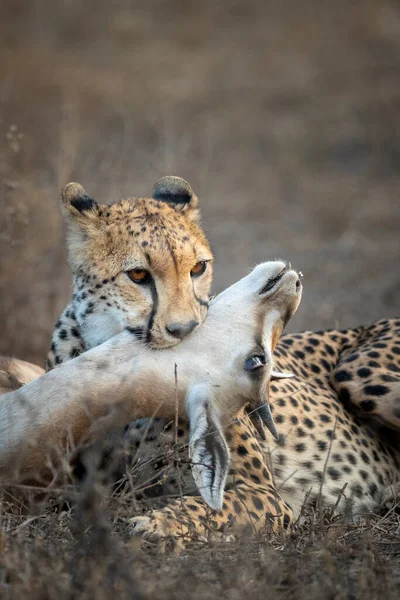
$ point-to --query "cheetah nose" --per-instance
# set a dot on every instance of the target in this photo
(181, 330)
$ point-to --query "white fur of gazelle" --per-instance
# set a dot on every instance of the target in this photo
(78, 400)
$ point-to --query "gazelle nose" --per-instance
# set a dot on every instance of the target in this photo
(181, 330)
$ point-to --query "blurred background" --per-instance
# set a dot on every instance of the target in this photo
(284, 116)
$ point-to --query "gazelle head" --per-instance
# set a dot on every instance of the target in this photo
(226, 365)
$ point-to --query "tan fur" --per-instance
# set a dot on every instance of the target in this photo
(15, 373)
(105, 242)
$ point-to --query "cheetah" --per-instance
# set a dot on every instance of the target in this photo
(338, 420)
(142, 265)
(315, 412)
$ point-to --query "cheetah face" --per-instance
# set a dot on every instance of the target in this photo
(142, 264)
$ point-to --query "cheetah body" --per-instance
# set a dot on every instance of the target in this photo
(338, 418)
(338, 421)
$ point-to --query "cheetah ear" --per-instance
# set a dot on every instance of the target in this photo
(178, 194)
(208, 449)
(76, 203)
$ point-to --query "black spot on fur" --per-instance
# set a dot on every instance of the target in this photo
(242, 450)
(286, 521)
(300, 447)
(357, 489)
(364, 372)
(325, 418)
(265, 474)
(373, 489)
(237, 508)
(390, 379)
(343, 376)
(84, 203)
(329, 350)
(376, 390)
(333, 473)
(257, 502)
(368, 405)
(365, 457)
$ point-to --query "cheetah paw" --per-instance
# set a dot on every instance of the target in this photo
(154, 534)
(147, 527)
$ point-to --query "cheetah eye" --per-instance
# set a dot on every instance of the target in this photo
(198, 269)
(138, 275)
(254, 362)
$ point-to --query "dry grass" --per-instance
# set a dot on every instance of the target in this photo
(79, 545)
(284, 116)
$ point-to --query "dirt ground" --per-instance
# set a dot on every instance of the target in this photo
(285, 118)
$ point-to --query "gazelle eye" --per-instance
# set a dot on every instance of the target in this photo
(254, 362)
(198, 269)
(138, 275)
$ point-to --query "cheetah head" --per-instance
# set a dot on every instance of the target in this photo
(142, 264)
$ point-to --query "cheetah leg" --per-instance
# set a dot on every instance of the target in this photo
(369, 378)
(190, 519)
(253, 502)
(377, 395)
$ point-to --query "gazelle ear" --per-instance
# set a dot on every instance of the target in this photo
(208, 449)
